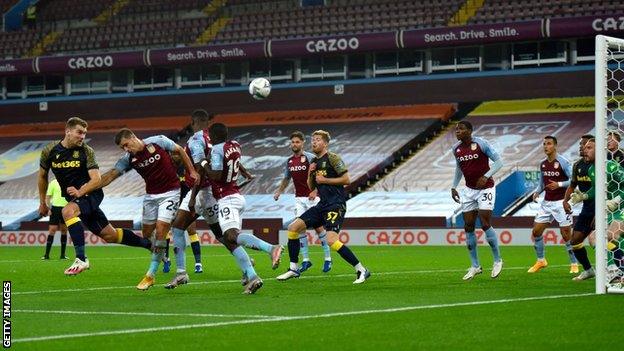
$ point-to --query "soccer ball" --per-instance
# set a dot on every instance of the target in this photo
(260, 88)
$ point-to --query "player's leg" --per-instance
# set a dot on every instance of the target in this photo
(582, 228)
(63, 228)
(230, 210)
(301, 205)
(614, 248)
(158, 213)
(538, 243)
(565, 228)
(333, 221)
(486, 200)
(230, 220)
(71, 216)
(322, 235)
(195, 246)
(182, 220)
(52, 228)
(470, 218)
(310, 218)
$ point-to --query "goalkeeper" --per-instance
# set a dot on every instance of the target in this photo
(615, 217)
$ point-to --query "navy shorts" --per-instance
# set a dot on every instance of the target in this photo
(91, 215)
(329, 217)
(56, 215)
(585, 221)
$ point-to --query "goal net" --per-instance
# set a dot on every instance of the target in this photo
(609, 157)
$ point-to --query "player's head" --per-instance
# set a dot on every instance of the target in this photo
(463, 130)
(589, 150)
(128, 142)
(550, 145)
(218, 133)
(200, 119)
(75, 131)
(613, 141)
(297, 139)
(320, 141)
(582, 143)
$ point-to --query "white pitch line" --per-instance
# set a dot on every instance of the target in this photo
(325, 276)
(281, 319)
(147, 258)
(158, 314)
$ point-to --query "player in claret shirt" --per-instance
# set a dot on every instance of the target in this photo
(555, 174)
(472, 155)
(151, 159)
(297, 167)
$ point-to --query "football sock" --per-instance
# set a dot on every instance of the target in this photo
(253, 242)
(568, 246)
(167, 247)
(345, 253)
(157, 256)
(76, 231)
(195, 246)
(581, 255)
(539, 247)
(179, 243)
(303, 241)
(49, 245)
(326, 250)
(490, 235)
(128, 238)
(63, 244)
(293, 248)
(471, 243)
(243, 261)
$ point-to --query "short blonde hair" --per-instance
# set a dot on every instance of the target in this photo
(76, 121)
(323, 134)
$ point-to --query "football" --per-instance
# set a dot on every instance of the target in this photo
(260, 88)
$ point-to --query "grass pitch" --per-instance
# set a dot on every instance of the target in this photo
(415, 299)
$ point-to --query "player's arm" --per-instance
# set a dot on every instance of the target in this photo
(312, 176)
(186, 161)
(245, 172)
(283, 183)
(94, 176)
(42, 185)
(493, 155)
(95, 179)
(571, 187)
(540, 187)
(340, 167)
(456, 180)
(121, 166)
(42, 179)
(108, 177)
(213, 169)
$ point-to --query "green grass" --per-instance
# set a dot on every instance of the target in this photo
(425, 281)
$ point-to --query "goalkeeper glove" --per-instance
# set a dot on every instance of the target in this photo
(614, 203)
(577, 196)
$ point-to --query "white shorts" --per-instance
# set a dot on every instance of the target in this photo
(205, 205)
(478, 199)
(550, 210)
(161, 207)
(303, 204)
(231, 209)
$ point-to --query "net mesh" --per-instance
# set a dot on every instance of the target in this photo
(615, 166)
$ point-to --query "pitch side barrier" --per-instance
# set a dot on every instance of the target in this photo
(401, 39)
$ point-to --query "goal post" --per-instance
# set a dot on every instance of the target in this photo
(609, 124)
